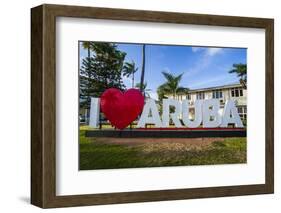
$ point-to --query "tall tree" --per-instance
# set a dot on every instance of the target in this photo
(241, 71)
(143, 67)
(171, 86)
(84, 79)
(129, 69)
(100, 71)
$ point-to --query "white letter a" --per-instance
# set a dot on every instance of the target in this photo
(150, 106)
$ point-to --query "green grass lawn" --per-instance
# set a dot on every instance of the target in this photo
(95, 154)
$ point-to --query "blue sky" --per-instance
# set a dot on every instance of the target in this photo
(202, 66)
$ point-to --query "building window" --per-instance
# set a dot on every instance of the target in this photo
(242, 111)
(236, 92)
(200, 95)
(217, 94)
(188, 97)
(241, 92)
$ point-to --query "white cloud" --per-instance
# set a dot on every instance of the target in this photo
(209, 51)
(204, 61)
(166, 69)
(213, 51)
(196, 49)
(199, 66)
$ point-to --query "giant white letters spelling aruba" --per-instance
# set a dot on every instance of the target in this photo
(207, 113)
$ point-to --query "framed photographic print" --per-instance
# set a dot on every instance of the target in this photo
(136, 106)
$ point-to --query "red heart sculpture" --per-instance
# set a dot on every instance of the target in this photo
(121, 108)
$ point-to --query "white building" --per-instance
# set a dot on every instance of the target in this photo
(233, 91)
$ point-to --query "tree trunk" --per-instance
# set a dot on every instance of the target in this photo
(244, 85)
(133, 83)
(89, 86)
(143, 68)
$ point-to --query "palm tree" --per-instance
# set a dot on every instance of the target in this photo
(143, 67)
(171, 86)
(130, 69)
(144, 89)
(241, 71)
